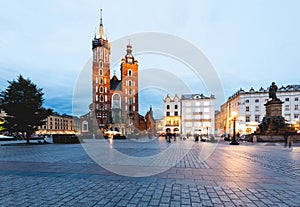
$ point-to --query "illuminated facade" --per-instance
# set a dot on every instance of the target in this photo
(189, 114)
(172, 114)
(115, 101)
(250, 110)
(57, 124)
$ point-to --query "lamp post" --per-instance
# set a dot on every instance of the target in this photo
(207, 131)
(234, 142)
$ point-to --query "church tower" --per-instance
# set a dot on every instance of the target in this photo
(129, 76)
(101, 79)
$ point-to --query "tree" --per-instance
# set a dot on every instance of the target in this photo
(22, 101)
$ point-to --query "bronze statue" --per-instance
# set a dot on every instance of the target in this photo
(272, 91)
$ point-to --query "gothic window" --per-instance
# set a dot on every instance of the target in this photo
(101, 89)
(129, 83)
(106, 55)
(130, 91)
(101, 53)
(95, 55)
(116, 103)
(85, 126)
(101, 80)
(129, 72)
(100, 72)
(101, 98)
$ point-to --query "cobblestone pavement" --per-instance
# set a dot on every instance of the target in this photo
(64, 175)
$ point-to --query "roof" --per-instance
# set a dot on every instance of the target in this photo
(115, 84)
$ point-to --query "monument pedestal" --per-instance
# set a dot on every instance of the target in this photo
(274, 108)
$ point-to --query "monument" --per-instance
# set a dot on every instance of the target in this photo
(273, 123)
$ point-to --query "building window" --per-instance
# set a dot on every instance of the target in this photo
(101, 89)
(129, 72)
(247, 118)
(247, 101)
(247, 108)
(100, 72)
(296, 98)
(287, 99)
(176, 113)
(101, 53)
(168, 113)
(101, 98)
(296, 116)
(95, 55)
(101, 81)
(256, 100)
(168, 106)
(296, 107)
(257, 117)
(256, 108)
(176, 106)
(287, 107)
(129, 83)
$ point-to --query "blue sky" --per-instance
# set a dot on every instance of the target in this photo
(249, 42)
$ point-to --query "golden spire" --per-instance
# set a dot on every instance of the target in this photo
(101, 29)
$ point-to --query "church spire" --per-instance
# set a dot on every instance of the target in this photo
(101, 28)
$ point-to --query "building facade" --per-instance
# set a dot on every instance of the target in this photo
(57, 124)
(249, 109)
(115, 100)
(189, 114)
(198, 114)
(172, 114)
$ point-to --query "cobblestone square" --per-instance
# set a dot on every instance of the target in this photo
(251, 174)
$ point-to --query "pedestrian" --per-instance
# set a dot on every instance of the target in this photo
(290, 140)
(286, 135)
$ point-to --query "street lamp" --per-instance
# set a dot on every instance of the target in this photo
(207, 131)
(234, 142)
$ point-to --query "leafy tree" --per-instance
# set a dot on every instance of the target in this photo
(22, 101)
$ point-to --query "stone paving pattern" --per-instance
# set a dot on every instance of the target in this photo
(64, 175)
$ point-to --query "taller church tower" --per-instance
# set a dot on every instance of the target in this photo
(101, 79)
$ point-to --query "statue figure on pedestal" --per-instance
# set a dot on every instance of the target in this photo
(272, 91)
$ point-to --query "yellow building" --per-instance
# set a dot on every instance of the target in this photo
(57, 124)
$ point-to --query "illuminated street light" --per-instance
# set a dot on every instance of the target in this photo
(234, 142)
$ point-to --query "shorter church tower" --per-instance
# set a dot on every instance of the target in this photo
(129, 75)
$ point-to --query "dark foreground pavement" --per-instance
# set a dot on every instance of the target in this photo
(64, 175)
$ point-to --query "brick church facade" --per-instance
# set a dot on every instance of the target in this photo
(114, 100)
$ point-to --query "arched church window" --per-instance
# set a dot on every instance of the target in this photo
(101, 81)
(116, 104)
(100, 72)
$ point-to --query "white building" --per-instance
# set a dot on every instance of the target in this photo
(249, 109)
(197, 114)
(189, 114)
